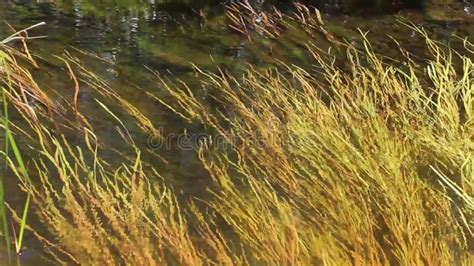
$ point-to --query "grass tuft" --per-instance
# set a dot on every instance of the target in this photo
(364, 162)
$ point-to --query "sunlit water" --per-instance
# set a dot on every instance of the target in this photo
(170, 36)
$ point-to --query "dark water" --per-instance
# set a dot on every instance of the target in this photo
(167, 36)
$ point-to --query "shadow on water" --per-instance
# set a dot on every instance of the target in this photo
(126, 37)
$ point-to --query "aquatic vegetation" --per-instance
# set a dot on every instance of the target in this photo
(366, 163)
(243, 17)
(359, 160)
(339, 167)
(246, 19)
(17, 83)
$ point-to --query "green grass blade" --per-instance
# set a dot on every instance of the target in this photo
(17, 153)
(4, 220)
(24, 172)
(23, 224)
(3, 214)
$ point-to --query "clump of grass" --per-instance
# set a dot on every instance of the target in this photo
(370, 164)
(247, 20)
(244, 18)
(127, 218)
(16, 82)
(366, 166)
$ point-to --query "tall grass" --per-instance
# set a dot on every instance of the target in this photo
(22, 172)
(367, 166)
(8, 68)
(369, 163)
(3, 213)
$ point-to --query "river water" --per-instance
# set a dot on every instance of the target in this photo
(121, 41)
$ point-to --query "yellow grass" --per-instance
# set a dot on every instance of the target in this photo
(371, 165)
(348, 167)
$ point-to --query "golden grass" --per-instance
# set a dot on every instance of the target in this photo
(340, 168)
(371, 165)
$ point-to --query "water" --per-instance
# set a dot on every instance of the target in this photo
(126, 37)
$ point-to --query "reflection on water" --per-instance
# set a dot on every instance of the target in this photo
(166, 36)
